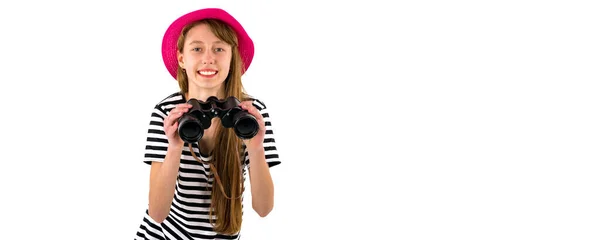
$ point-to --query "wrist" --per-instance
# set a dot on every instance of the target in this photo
(175, 148)
(255, 144)
(256, 149)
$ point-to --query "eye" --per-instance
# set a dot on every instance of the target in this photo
(196, 49)
(219, 49)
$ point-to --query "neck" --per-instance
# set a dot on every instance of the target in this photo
(203, 93)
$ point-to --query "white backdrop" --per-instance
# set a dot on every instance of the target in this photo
(428, 120)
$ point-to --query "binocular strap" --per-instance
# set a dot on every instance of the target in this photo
(214, 170)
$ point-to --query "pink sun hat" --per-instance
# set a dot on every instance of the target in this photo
(169, 43)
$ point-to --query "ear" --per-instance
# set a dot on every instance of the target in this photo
(180, 59)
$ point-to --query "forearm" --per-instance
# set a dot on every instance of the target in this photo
(162, 184)
(261, 183)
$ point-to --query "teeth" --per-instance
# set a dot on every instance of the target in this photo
(207, 72)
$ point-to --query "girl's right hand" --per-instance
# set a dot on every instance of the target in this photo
(171, 125)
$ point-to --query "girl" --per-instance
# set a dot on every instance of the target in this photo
(196, 189)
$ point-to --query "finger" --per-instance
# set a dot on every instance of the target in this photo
(173, 116)
(246, 104)
(255, 113)
(185, 105)
(175, 112)
(253, 110)
(179, 110)
(182, 107)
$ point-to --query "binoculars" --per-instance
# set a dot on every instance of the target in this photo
(193, 123)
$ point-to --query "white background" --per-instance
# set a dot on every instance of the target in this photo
(423, 120)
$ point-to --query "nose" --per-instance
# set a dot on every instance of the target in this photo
(208, 58)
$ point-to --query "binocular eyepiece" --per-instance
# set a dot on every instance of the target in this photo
(193, 123)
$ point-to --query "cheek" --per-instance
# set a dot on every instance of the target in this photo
(224, 66)
(188, 62)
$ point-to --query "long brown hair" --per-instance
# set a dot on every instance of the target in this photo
(227, 156)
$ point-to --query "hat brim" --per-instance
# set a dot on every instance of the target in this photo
(169, 43)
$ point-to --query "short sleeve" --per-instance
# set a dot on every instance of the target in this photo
(269, 144)
(156, 140)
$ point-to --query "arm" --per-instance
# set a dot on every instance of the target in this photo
(261, 156)
(261, 184)
(165, 161)
(163, 177)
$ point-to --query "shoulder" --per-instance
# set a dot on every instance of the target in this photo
(169, 102)
(257, 102)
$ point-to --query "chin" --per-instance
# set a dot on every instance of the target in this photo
(208, 82)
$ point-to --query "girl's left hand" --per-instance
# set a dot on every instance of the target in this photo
(257, 140)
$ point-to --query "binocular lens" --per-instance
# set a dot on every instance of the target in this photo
(190, 129)
(246, 126)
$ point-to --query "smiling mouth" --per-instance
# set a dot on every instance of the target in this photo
(208, 73)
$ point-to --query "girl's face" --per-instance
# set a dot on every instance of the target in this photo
(205, 58)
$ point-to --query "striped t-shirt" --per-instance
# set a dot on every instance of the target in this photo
(188, 216)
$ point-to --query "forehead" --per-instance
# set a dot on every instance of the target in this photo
(201, 33)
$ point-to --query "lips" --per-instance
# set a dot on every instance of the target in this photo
(208, 72)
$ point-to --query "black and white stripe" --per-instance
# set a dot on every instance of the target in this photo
(188, 218)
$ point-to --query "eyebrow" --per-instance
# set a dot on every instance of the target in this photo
(200, 42)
